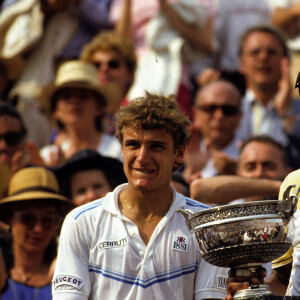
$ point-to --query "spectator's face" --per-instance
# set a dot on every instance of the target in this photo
(87, 186)
(261, 59)
(112, 69)
(12, 141)
(149, 157)
(260, 160)
(33, 228)
(217, 114)
(77, 106)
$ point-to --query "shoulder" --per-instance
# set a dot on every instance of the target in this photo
(87, 209)
(191, 203)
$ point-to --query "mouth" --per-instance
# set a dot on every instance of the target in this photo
(105, 79)
(264, 69)
(144, 171)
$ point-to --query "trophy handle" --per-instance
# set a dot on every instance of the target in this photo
(288, 205)
(186, 213)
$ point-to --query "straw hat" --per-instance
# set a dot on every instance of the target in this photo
(34, 183)
(80, 74)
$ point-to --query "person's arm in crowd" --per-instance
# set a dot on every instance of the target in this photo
(283, 98)
(200, 38)
(124, 26)
(225, 188)
(194, 158)
(279, 279)
(286, 18)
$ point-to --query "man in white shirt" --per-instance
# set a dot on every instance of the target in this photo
(133, 243)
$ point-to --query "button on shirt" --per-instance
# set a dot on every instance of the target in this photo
(102, 256)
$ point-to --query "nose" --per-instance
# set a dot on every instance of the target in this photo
(103, 67)
(142, 154)
(3, 143)
(218, 113)
(38, 226)
(90, 195)
(263, 54)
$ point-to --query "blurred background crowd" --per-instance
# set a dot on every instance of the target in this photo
(66, 68)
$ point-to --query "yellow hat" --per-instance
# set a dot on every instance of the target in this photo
(292, 178)
(34, 184)
(80, 74)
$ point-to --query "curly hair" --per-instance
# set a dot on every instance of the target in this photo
(155, 112)
(111, 41)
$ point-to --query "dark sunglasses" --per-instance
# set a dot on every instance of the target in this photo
(30, 220)
(227, 110)
(112, 64)
(12, 138)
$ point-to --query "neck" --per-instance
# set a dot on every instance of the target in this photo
(264, 93)
(30, 269)
(28, 262)
(146, 205)
(81, 137)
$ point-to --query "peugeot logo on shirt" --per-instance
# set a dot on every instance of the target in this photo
(113, 244)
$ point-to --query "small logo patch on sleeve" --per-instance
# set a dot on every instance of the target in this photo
(222, 282)
(180, 243)
(67, 280)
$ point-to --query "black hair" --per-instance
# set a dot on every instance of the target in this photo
(9, 110)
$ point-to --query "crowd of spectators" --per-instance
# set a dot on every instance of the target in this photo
(68, 67)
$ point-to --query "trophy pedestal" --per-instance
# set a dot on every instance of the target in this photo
(254, 292)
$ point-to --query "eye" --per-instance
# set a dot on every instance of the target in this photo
(249, 167)
(131, 144)
(158, 146)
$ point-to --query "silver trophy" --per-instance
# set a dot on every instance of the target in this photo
(244, 236)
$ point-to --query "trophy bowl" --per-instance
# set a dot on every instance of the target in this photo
(244, 236)
(240, 234)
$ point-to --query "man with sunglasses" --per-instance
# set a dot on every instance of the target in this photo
(12, 138)
(268, 107)
(217, 114)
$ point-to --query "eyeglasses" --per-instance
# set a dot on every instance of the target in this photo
(12, 138)
(227, 110)
(30, 219)
(112, 64)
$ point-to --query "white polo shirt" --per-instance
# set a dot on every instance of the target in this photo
(102, 256)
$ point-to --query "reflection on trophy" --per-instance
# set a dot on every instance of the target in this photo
(244, 236)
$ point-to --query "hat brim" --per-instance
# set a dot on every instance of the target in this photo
(109, 92)
(37, 196)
